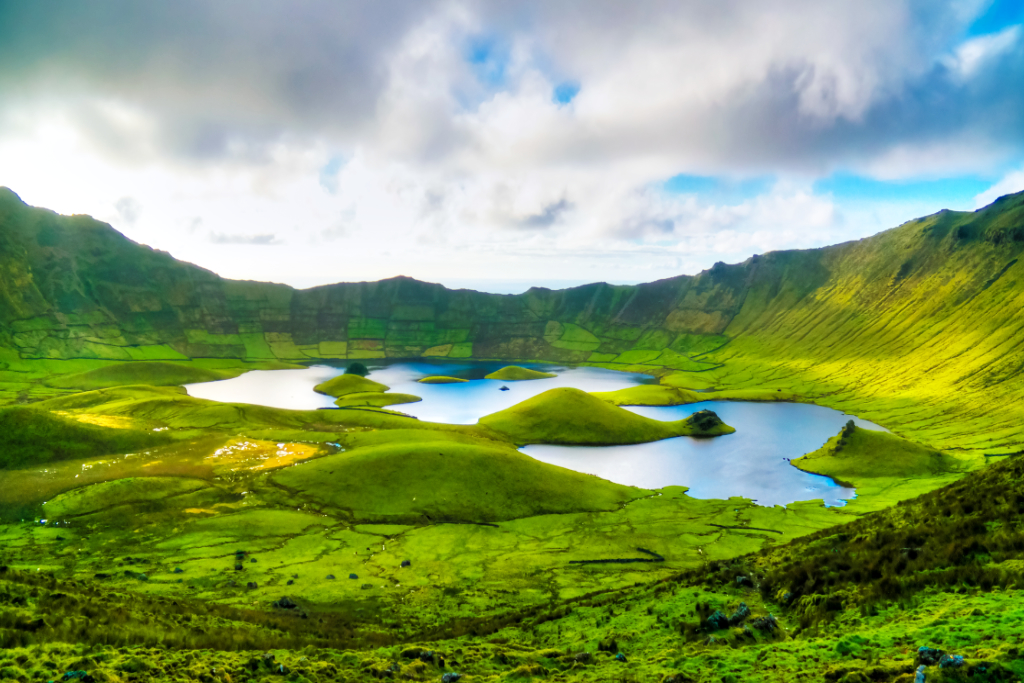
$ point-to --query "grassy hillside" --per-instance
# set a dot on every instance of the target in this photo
(514, 373)
(905, 328)
(34, 437)
(403, 476)
(441, 379)
(571, 416)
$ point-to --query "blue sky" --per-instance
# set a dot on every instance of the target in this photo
(478, 143)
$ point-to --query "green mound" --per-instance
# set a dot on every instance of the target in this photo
(876, 462)
(571, 416)
(129, 491)
(441, 379)
(30, 436)
(514, 373)
(375, 399)
(342, 385)
(411, 475)
(153, 373)
(649, 395)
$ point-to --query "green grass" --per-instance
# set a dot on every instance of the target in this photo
(33, 437)
(514, 373)
(411, 476)
(650, 395)
(349, 383)
(155, 373)
(374, 399)
(440, 379)
(129, 491)
(572, 416)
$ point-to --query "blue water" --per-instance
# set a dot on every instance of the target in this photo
(752, 463)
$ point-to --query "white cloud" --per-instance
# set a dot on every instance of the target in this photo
(1012, 182)
(972, 55)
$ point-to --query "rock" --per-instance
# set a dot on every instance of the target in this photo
(285, 603)
(583, 658)
(295, 576)
(744, 581)
(330, 577)
(406, 563)
(766, 623)
(503, 389)
(928, 656)
(717, 620)
(951, 661)
(619, 657)
(366, 586)
(178, 570)
(739, 615)
(450, 677)
(919, 677)
(251, 585)
(252, 561)
(290, 582)
(353, 576)
(238, 566)
(78, 676)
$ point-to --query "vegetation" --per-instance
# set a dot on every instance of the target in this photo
(33, 437)
(415, 477)
(170, 554)
(514, 373)
(440, 379)
(154, 373)
(342, 385)
(570, 416)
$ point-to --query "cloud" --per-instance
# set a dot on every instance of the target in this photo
(466, 138)
(128, 209)
(1010, 183)
(262, 239)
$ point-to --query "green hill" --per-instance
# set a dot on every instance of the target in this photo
(343, 385)
(514, 373)
(403, 476)
(29, 436)
(878, 463)
(905, 328)
(441, 379)
(571, 416)
(154, 373)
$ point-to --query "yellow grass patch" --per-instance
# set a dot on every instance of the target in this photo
(112, 421)
(253, 454)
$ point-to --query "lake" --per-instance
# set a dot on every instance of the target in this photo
(752, 463)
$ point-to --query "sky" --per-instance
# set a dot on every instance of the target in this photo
(499, 145)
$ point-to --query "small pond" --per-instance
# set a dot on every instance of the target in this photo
(752, 463)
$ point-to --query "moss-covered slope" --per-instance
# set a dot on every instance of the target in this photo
(570, 416)
(154, 373)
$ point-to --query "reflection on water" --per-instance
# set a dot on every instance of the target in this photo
(752, 463)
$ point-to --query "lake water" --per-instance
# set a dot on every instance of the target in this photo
(752, 463)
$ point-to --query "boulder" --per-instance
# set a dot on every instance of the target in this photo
(330, 577)
(285, 603)
(928, 656)
(406, 563)
(353, 576)
(717, 620)
(251, 585)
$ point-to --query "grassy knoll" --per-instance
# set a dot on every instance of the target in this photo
(35, 437)
(514, 373)
(650, 395)
(419, 476)
(885, 467)
(349, 383)
(440, 379)
(155, 373)
(374, 399)
(571, 416)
